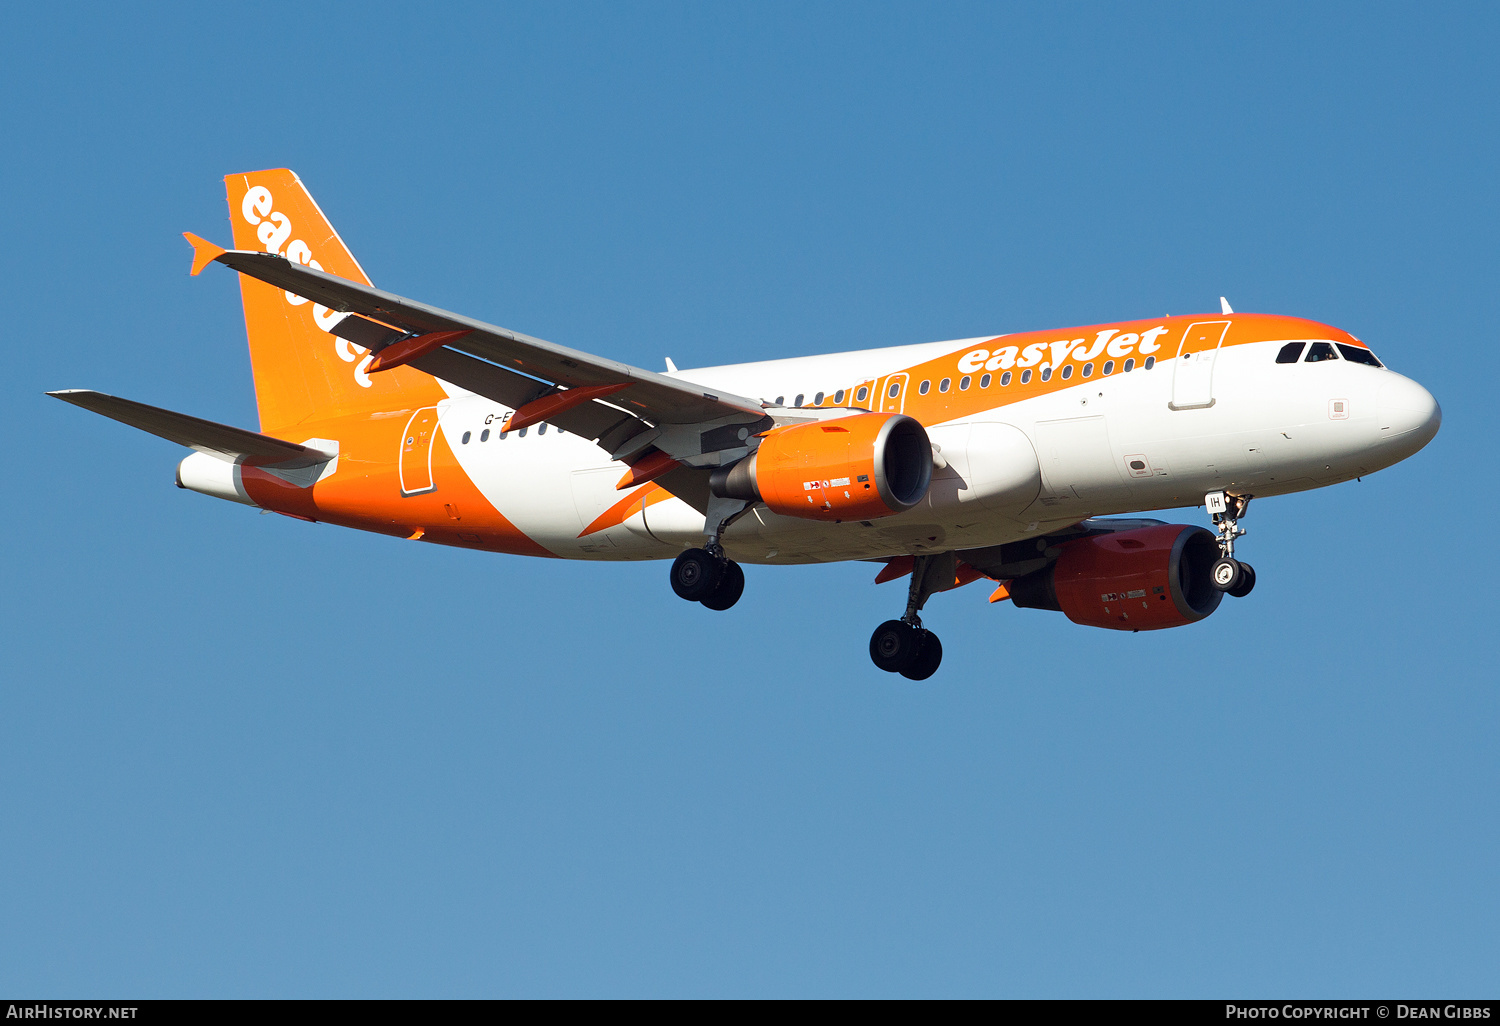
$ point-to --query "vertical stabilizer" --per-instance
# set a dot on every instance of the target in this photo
(303, 372)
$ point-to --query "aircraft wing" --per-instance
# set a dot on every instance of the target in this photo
(232, 444)
(508, 366)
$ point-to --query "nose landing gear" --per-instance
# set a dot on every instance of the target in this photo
(904, 646)
(1228, 574)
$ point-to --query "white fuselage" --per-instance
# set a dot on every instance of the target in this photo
(1016, 469)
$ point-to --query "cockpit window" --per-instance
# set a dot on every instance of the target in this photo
(1320, 351)
(1290, 353)
(1354, 354)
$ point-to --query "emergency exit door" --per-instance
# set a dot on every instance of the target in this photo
(1193, 370)
(893, 394)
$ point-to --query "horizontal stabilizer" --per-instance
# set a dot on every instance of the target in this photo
(232, 444)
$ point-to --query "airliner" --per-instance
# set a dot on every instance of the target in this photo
(1024, 459)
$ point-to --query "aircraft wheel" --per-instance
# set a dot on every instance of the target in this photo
(695, 575)
(1247, 581)
(928, 657)
(1226, 574)
(731, 587)
(895, 645)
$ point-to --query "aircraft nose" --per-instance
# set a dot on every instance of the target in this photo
(1407, 412)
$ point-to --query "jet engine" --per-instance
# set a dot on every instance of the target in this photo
(1141, 580)
(861, 467)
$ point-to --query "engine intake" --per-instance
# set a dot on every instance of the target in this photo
(862, 467)
(1141, 580)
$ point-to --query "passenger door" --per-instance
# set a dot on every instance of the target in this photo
(1193, 370)
(415, 464)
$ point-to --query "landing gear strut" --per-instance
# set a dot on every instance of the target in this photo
(707, 575)
(904, 646)
(1229, 574)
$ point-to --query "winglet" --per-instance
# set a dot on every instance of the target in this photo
(1224, 306)
(204, 252)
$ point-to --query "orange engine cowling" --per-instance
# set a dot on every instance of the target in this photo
(862, 467)
(1141, 580)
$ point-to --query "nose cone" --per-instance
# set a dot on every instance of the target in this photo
(1407, 415)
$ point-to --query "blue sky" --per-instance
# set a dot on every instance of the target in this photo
(247, 756)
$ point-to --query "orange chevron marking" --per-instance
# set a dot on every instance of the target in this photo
(646, 495)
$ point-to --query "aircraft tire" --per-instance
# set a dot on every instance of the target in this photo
(1226, 574)
(895, 645)
(1247, 581)
(695, 575)
(929, 656)
(731, 587)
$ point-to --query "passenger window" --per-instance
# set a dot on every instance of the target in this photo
(838, 398)
(522, 433)
(1354, 354)
(1150, 362)
(895, 390)
(1129, 365)
(945, 384)
(1026, 376)
(964, 383)
(1291, 352)
(1005, 379)
(984, 382)
(1046, 373)
(1109, 367)
(484, 436)
(862, 394)
(797, 402)
(781, 400)
(1088, 370)
(542, 428)
(818, 399)
(501, 435)
(1320, 351)
(1067, 372)
(465, 438)
(924, 388)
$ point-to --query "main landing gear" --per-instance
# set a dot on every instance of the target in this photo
(1228, 574)
(707, 575)
(904, 646)
(700, 576)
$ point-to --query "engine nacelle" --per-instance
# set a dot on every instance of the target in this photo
(862, 467)
(1141, 580)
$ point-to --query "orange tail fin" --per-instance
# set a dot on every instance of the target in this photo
(303, 372)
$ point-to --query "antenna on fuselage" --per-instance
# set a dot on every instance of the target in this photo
(1224, 305)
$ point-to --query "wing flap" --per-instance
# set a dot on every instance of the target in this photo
(232, 444)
